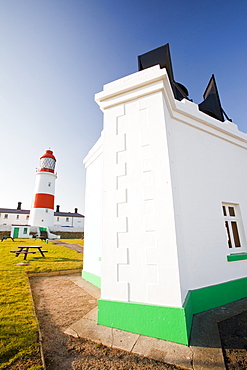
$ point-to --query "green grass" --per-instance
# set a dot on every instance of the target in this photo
(18, 325)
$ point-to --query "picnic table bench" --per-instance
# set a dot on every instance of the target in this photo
(7, 237)
(42, 236)
(39, 237)
(25, 250)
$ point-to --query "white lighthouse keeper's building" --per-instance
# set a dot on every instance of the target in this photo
(42, 211)
(166, 209)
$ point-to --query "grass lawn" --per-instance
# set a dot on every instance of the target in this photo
(18, 325)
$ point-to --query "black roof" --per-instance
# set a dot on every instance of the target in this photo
(68, 214)
(18, 211)
(27, 212)
(26, 225)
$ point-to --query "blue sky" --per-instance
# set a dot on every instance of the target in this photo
(56, 54)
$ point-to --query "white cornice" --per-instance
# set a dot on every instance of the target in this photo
(154, 80)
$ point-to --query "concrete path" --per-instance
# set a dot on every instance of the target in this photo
(204, 352)
(76, 247)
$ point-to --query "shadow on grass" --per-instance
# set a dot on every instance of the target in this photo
(52, 259)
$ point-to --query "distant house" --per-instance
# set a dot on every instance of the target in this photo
(18, 216)
(68, 219)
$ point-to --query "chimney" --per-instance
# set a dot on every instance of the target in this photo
(19, 206)
(57, 210)
(76, 209)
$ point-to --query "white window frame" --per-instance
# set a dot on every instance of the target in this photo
(234, 228)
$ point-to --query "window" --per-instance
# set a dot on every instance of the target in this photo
(17, 217)
(6, 216)
(233, 225)
(25, 230)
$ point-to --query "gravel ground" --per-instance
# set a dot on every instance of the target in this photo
(57, 308)
(233, 333)
(59, 303)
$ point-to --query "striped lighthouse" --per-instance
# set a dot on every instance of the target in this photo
(42, 210)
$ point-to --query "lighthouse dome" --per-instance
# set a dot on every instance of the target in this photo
(47, 162)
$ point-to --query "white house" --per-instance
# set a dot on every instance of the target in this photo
(166, 209)
(20, 231)
(18, 216)
(70, 221)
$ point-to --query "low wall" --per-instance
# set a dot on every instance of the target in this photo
(63, 234)
(69, 235)
(2, 233)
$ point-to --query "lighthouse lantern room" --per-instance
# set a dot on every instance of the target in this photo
(42, 210)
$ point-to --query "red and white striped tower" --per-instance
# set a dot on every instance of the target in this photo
(42, 211)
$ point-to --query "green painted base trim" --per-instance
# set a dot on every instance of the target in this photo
(91, 278)
(237, 257)
(218, 295)
(154, 321)
(169, 323)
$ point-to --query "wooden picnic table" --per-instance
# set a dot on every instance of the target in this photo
(25, 250)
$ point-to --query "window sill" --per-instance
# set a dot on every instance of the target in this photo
(237, 257)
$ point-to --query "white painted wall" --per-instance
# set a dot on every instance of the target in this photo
(76, 223)
(69, 221)
(93, 210)
(5, 227)
(13, 218)
(139, 256)
(43, 217)
(67, 229)
(167, 168)
(208, 168)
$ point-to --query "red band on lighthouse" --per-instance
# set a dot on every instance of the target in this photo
(47, 170)
(43, 201)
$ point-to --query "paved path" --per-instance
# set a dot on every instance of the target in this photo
(204, 352)
(76, 247)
